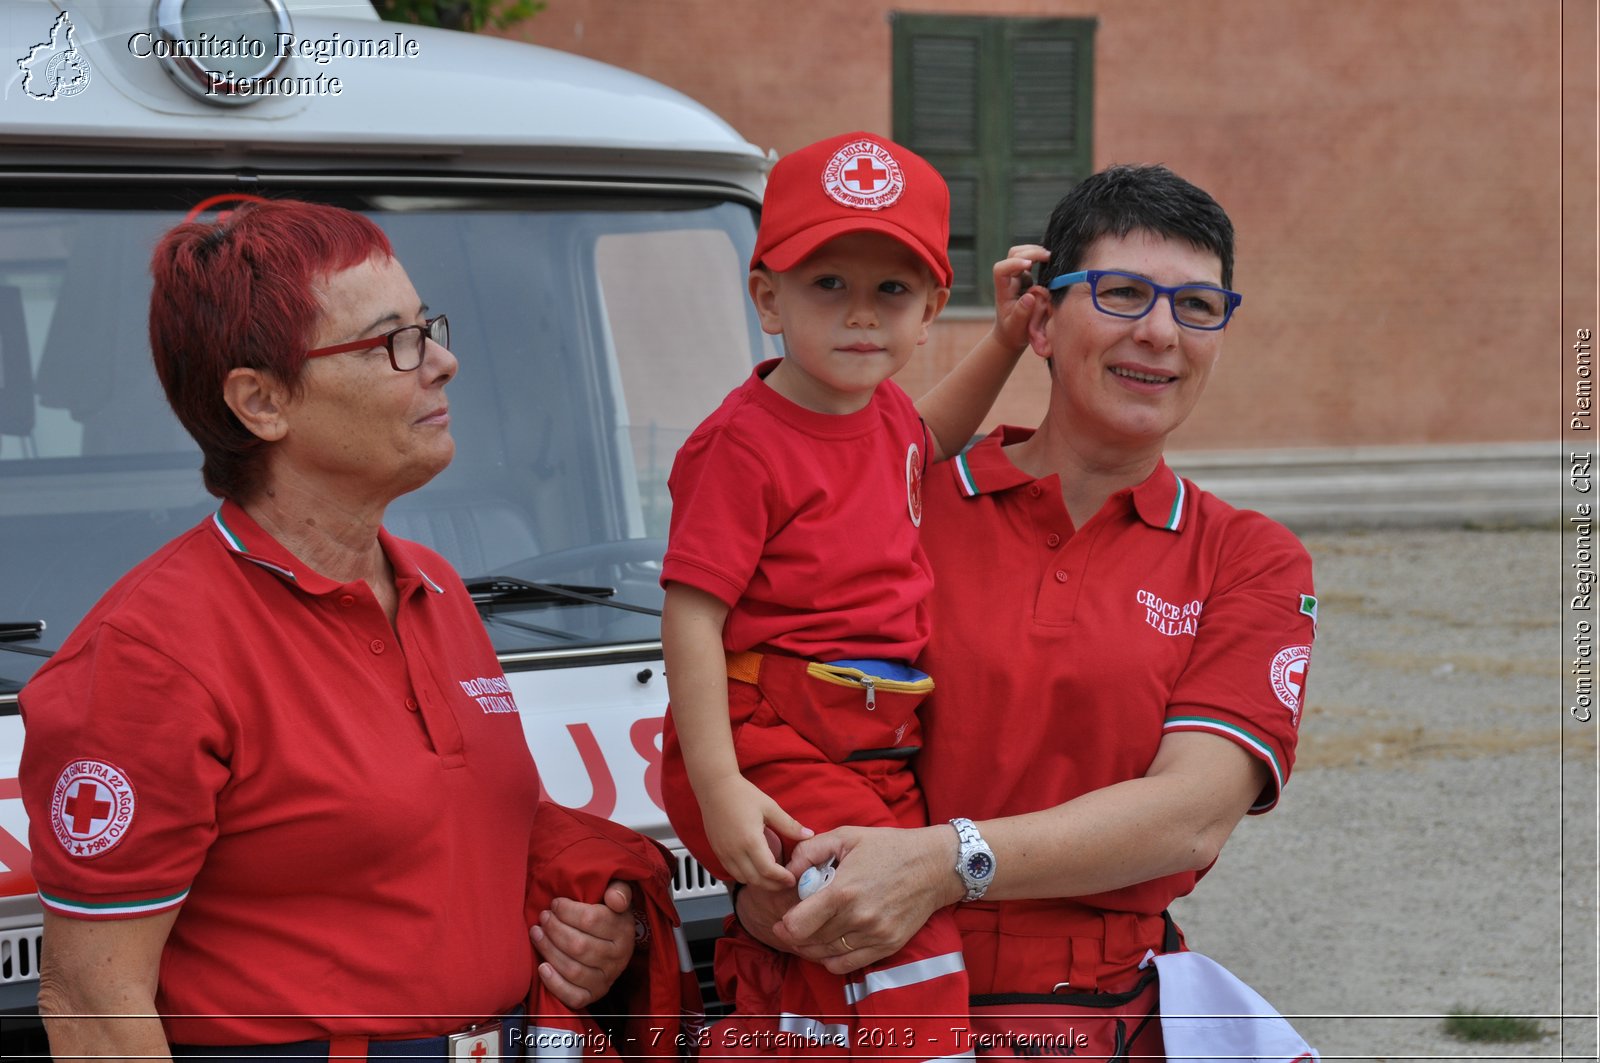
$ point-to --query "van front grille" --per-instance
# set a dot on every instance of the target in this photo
(691, 879)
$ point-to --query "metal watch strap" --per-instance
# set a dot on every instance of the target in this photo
(975, 861)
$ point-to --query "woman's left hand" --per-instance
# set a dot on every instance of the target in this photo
(888, 882)
(585, 946)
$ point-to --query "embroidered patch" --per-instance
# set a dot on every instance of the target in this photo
(1170, 618)
(1308, 607)
(491, 692)
(863, 174)
(1289, 677)
(914, 484)
(91, 808)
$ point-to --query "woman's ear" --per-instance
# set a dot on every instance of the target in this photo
(1039, 323)
(259, 401)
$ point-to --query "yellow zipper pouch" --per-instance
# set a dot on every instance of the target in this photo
(850, 710)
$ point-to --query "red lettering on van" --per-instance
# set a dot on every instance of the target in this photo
(646, 735)
(603, 800)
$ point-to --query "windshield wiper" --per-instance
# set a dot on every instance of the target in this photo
(14, 631)
(490, 591)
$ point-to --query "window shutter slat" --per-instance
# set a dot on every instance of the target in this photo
(964, 230)
(963, 207)
(944, 87)
(965, 289)
(1003, 108)
(1044, 92)
(1033, 197)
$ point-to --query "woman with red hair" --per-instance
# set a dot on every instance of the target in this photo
(270, 813)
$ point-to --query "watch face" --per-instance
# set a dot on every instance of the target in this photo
(980, 866)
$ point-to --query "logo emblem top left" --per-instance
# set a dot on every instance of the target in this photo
(55, 68)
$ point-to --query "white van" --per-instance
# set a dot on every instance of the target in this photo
(586, 230)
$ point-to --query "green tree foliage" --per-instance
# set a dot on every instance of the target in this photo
(469, 15)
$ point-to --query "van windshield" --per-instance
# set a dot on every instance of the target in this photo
(593, 331)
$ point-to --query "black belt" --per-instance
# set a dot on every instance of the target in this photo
(892, 753)
(513, 1026)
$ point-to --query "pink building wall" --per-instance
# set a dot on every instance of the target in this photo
(1393, 170)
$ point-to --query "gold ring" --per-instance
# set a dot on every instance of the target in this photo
(845, 943)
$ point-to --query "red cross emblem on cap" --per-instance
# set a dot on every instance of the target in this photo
(863, 174)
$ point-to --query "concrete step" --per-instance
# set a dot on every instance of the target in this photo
(1499, 484)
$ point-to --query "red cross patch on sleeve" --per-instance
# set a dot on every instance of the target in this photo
(1289, 677)
(91, 807)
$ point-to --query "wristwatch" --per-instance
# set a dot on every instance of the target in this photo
(974, 859)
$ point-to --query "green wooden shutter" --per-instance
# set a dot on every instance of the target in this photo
(937, 69)
(1003, 108)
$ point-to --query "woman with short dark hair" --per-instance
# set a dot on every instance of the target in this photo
(1121, 658)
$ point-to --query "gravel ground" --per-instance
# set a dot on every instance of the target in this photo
(1435, 849)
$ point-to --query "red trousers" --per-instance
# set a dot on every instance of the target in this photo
(908, 1005)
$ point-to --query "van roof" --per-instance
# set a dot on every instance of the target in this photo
(461, 103)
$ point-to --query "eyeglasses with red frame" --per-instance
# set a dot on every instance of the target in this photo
(406, 345)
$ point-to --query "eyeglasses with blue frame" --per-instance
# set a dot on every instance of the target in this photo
(1196, 306)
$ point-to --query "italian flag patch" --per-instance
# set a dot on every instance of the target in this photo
(1308, 607)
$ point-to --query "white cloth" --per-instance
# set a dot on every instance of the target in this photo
(1207, 1014)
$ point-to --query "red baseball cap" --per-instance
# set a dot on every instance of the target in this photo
(857, 182)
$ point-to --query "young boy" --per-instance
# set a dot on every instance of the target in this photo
(795, 584)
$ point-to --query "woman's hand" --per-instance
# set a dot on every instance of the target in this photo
(1015, 294)
(585, 946)
(888, 882)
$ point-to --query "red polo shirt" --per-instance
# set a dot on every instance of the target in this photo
(1064, 654)
(805, 523)
(339, 808)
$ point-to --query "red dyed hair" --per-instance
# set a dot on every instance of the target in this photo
(237, 293)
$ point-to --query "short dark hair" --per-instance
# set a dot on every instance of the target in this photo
(1121, 199)
(238, 293)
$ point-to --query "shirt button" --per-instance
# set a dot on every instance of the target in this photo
(411, 704)
(346, 600)
(1053, 540)
(1061, 575)
(377, 645)
(1035, 490)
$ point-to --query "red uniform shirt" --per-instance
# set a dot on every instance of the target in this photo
(1063, 654)
(342, 812)
(805, 523)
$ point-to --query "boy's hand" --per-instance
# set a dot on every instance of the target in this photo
(1015, 294)
(737, 814)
